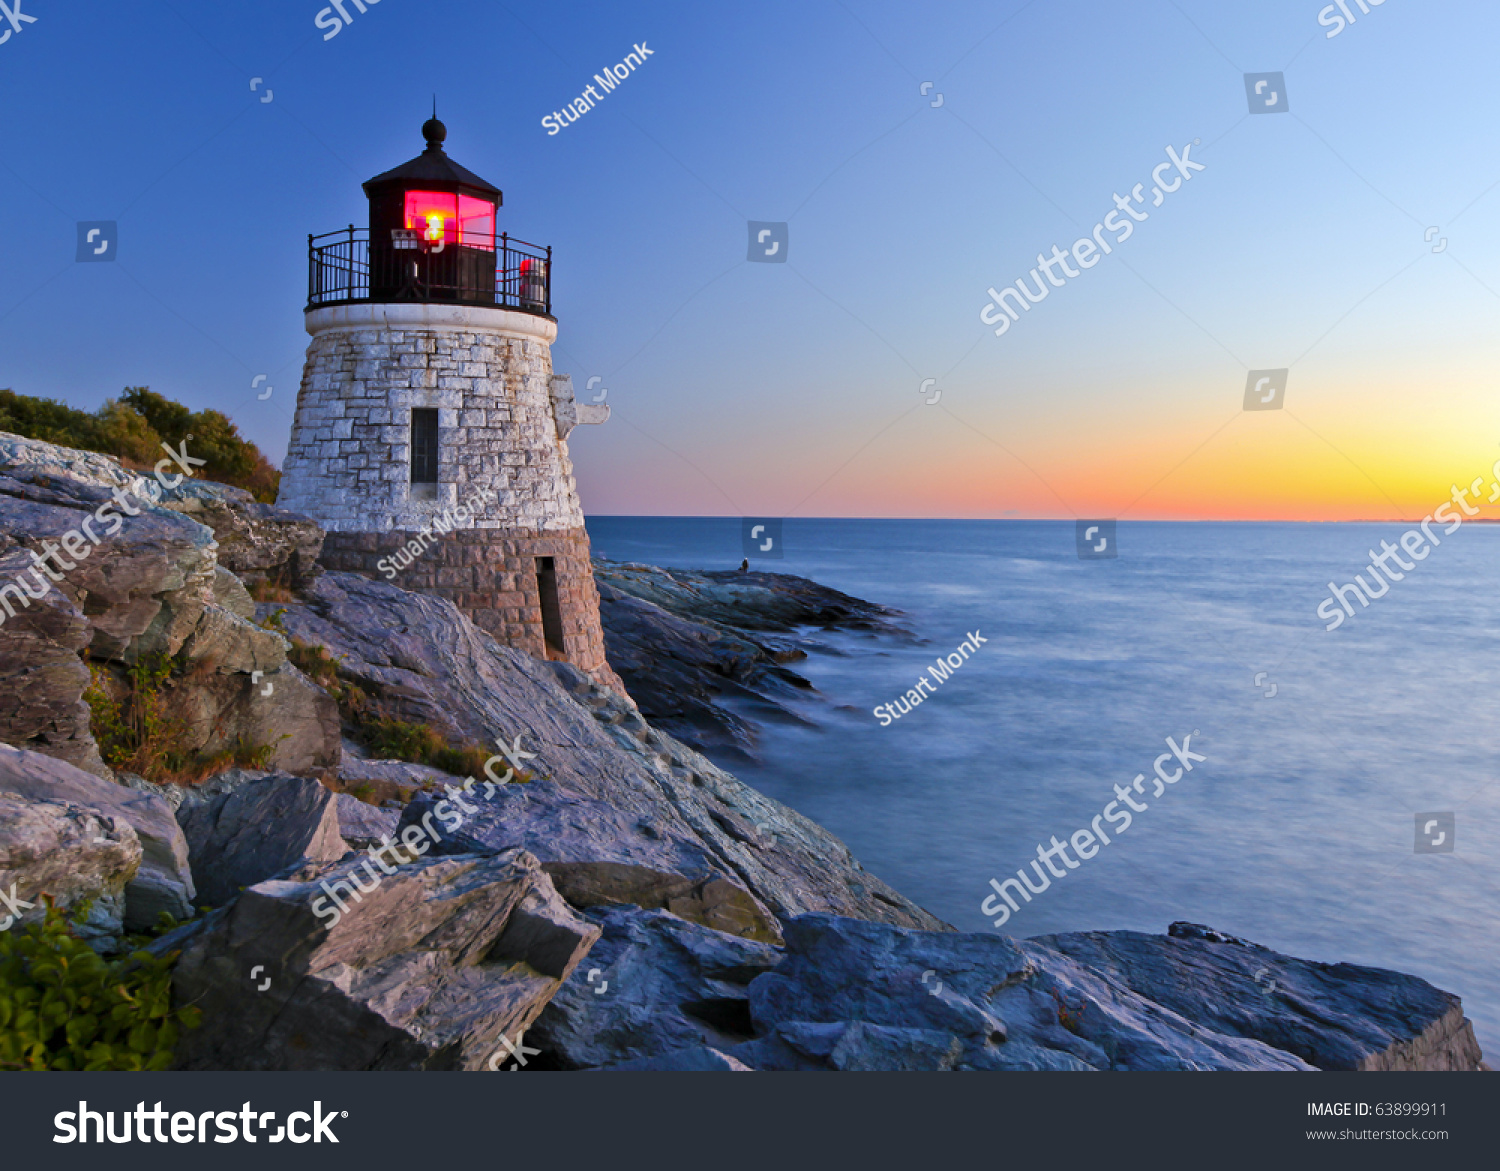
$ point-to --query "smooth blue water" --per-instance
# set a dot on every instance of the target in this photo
(1298, 832)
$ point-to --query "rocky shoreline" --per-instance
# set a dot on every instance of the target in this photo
(619, 903)
(705, 654)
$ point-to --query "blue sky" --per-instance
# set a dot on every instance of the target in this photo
(793, 389)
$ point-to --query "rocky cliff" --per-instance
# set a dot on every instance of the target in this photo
(598, 895)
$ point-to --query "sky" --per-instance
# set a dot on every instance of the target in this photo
(1350, 239)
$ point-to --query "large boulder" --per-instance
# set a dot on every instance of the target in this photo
(151, 585)
(42, 677)
(55, 848)
(746, 600)
(610, 788)
(852, 995)
(240, 834)
(654, 985)
(143, 587)
(1193, 999)
(442, 964)
(1333, 1016)
(282, 709)
(362, 825)
(163, 881)
(258, 542)
(679, 671)
(138, 592)
(713, 902)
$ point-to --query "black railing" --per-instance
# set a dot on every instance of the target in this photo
(343, 267)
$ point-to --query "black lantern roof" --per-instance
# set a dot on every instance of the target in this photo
(433, 169)
(431, 239)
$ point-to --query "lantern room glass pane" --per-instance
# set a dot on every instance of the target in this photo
(434, 214)
(452, 219)
(476, 219)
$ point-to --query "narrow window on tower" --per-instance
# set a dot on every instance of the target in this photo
(546, 588)
(424, 453)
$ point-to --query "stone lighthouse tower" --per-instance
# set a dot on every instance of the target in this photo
(430, 438)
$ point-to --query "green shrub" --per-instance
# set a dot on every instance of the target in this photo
(230, 459)
(64, 1007)
(133, 429)
(48, 420)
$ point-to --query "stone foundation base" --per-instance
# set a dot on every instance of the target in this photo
(495, 576)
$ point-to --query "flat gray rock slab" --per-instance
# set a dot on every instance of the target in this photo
(1333, 1016)
(610, 787)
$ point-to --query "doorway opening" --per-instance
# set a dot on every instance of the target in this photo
(546, 588)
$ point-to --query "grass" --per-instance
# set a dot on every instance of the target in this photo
(139, 728)
(316, 663)
(269, 591)
(392, 739)
(380, 732)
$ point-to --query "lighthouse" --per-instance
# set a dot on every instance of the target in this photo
(430, 439)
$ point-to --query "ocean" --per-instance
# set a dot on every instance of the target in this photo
(1350, 816)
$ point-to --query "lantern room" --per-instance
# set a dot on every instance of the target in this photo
(431, 237)
(432, 228)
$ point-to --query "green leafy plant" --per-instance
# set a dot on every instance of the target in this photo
(135, 726)
(133, 428)
(64, 1007)
(140, 729)
(396, 739)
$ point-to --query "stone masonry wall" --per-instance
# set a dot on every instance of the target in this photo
(492, 577)
(348, 465)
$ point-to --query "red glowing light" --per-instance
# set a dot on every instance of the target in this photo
(442, 216)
